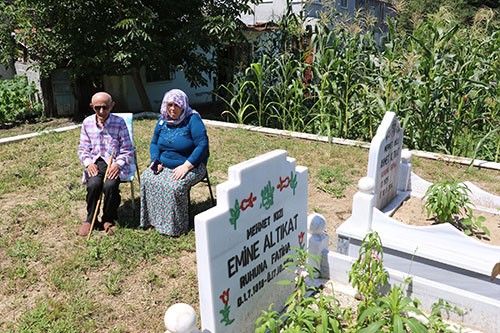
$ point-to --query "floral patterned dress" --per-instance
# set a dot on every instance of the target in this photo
(164, 201)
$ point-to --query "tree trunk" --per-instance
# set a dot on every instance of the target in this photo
(49, 107)
(141, 91)
(85, 88)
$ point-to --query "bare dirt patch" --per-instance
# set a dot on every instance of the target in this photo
(411, 212)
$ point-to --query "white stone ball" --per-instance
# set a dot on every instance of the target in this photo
(406, 155)
(180, 318)
(366, 185)
(316, 223)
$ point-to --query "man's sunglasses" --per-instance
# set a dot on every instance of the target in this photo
(104, 107)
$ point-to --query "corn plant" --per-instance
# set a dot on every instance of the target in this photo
(441, 79)
(241, 110)
(490, 139)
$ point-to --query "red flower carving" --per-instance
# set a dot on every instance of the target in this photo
(224, 297)
(284, 183)
(246, 203)
(301, 238)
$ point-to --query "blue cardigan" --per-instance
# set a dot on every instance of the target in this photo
(173, 145)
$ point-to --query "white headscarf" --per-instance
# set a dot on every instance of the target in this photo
(180, 98)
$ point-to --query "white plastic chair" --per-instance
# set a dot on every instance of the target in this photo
(129, 117)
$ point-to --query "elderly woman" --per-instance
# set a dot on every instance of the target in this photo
(179, 154)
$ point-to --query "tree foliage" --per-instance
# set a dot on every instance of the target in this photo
(118, 37)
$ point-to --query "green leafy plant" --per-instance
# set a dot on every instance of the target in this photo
(440, 79)
(448, 200)
(367, 274)
(112, 283)
(391, 313)
(306, 309)
(18, 100)
(309, 309)
(436, 322)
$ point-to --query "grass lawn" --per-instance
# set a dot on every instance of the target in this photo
(54, 281)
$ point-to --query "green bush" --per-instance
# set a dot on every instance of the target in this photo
(18, 100)
(448, 201)
(309, 309)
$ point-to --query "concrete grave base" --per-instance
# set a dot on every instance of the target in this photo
(480, 312)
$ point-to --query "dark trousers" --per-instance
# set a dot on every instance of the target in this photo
(111, 193)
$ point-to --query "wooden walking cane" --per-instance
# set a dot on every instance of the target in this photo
(98, 205)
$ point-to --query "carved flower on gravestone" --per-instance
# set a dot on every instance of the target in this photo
(293, 181)
(248, 202)
(283, 183)
(235, 213)
(224, 297)
(267, 194)
(301, 239)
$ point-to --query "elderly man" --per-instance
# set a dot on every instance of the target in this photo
(104, 139)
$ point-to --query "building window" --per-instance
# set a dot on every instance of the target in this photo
(156, 74)
(343, 3)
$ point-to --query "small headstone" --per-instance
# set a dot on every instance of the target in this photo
(242, 244)
(384, 158)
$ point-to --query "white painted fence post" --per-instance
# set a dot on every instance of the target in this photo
(363, 203)
(180, 318)
(317, 238)
(404, 183)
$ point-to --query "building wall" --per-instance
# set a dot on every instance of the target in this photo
(122, 88)
(270, 11)
(6, 72)
(273, 10)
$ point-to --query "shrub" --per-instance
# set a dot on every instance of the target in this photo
(304, 312)
(367, 274)
(18, 100)
(309, 309)
(448, 200)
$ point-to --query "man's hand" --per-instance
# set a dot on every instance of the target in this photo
(114, 171)
(92, 170)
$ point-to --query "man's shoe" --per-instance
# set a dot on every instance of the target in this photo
(109, 227)
(84, 229)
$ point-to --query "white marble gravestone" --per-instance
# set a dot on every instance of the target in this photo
(384, 159)
(243, 242)
(444, 263)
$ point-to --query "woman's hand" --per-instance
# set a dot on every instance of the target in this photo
(156, 166)
(182, 170)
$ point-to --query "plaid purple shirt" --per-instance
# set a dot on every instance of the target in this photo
(98, 142)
